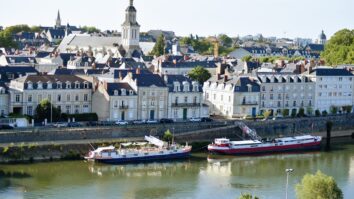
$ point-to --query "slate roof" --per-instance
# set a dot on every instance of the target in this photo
(243, 82)
(179, 78)
(111, 87)
(54, 79)
(331, 72)
(124, 72)
(57, 32)
(147, 80)
(189, 64)
(42, 54)
(66, 57)
(316, 47)
(64, 71)
(17, 59)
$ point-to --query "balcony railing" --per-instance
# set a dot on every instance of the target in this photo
(123, 107)
(249, 103)
(185, 104)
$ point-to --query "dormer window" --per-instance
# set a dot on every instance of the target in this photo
(68, 85)
(59, 86)
(185, 86)
(115, 92)
(131, 92)
(124, 92)
(30, 85)
(39, 85)
(86, 85)
(49, 85)
(77, 85)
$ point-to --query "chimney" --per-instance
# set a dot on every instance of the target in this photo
(219, 76)
(225, 78)
(220, 68)
(138, 71)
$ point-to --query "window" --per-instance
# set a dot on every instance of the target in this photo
(294, 103)
(86, 85)
(279, 96)
(76, 97)
(195, 100)
(176, 100)
(86, 108)
(263, 88)
(77, 85)
(59, 98)
(39, 98)
(77, 109)
(85, 97)
(29, 110)
(59, 85)
(185, 99)
(278, 103)
(68, 97)
(29, 99)
(17, 98)
(68, 108)
(115, 104)
(271, 96)
(68, 85)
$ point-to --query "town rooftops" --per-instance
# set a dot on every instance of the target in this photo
(171, 79)
(12, 72)
(331, 72)
(189, 64)
(147, 80)
(123, 72)
(20, 59)
(239, 83)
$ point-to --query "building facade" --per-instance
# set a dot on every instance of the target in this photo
(71, 94)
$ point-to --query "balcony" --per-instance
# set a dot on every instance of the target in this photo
(250, 103)
(123, 107)
(185, 104)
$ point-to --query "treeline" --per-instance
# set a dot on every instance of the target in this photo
(6, 39)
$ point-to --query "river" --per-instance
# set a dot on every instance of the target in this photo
(201, 176)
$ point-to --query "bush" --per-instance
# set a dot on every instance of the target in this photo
(293, 112)
(301, 112)
(324, 113)
(285, 112)
(266, 114)
(317, 113)
(347, 109)
(83, 117)
(334, 110)
(309, 111)
(318, 186)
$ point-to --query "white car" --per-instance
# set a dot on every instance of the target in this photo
(193, 119)
(121, 122)
(152, 122)
(60, 124)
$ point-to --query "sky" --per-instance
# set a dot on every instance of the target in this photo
(280, 18)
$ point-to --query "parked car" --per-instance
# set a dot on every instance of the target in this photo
(206, 119)
(151, 122)
(166, 120)
(121, 122)
(74, 124)
(60, 124)
(139, 122)
(194, 119)
(5, 126)
(92, 123)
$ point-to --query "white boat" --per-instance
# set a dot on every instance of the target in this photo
(160, 151)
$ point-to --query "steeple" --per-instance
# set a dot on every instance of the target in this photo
(130, 30)
(58, 21)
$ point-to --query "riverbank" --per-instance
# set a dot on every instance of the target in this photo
(76, 149)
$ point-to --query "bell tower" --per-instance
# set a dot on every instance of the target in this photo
(130, 30)
(58, 21)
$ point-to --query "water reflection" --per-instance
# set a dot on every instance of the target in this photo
(200, 177)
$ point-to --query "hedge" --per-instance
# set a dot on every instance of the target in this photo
(84, 117)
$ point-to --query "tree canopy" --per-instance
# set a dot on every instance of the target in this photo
(318, 186)
(168, 136)
(248, 196)
(199, 74)
(91, 29)
(340, 48)
(6, 39)
(159, 48)
(43, 111)
(225, 40)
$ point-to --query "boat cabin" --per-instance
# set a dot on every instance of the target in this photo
(222, 142)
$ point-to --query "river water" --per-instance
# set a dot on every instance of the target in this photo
(201, 176)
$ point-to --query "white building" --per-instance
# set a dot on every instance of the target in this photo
(234, 96)
(185, 98)
(71, 94)
(334, 87)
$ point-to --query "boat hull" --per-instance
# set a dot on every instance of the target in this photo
(267, 149)
(149, 158)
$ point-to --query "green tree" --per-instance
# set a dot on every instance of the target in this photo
(301, 112)
(225, 40)
(44, 111)
(340, 48)
(167, 136)
(324, 113)
(309, 110)
(247, 58)
(334, 110)
(266, 114)
(6, 40)
(35, 29)
(91, 29)
(318, 186)
(159, 48)
(199, 74)
(348, 109)
(285, 112)
(247, 196)
(317, 113)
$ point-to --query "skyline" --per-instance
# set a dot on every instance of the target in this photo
(313, 16)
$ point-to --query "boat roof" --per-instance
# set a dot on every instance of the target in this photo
(100, 149)
(295, 138)
(247, 142)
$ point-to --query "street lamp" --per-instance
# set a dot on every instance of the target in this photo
(288, 171)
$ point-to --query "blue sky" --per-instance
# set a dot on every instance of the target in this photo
(289, 18)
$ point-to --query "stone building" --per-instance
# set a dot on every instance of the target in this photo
(71, 94)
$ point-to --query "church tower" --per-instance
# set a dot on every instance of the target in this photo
(58, 21)
(130, 31)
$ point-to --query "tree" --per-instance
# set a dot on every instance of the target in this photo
(247, 58)
(334, 110)
(309, 110)
(318, 186)
(317, 113)
(6, 40)
(301, 112)
(247, 196)
(266, 114)
(199, 74)
(167, 136)
(285, 112)
(347, 109)
(43, 111)
(324, 113)
(91, 29)
(225, 40)
(340, 48)
(159, 48)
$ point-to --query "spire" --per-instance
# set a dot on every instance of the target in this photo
(131, 3)
(58, 21)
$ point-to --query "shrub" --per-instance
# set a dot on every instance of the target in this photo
(83, 117)
(334, 110)
(317, 113)
(309, 111)
(324, 113)
(293, 112)
(301, 112)
(285, 112)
